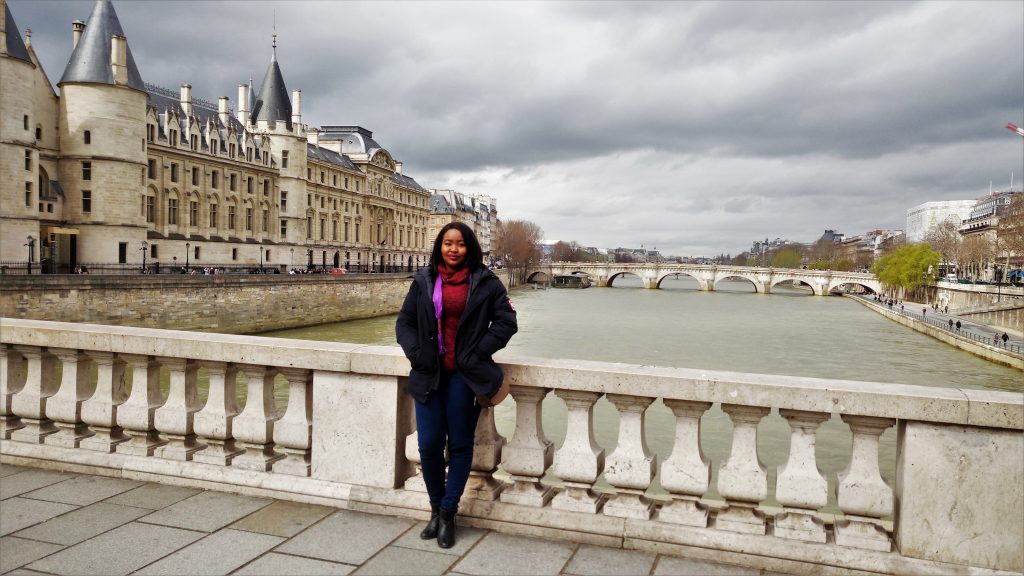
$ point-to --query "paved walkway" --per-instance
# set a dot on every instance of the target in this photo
(62, 523)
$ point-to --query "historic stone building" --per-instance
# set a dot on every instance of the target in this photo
(114, 170)
(478, 211)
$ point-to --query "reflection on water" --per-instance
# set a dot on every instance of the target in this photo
(788, 332)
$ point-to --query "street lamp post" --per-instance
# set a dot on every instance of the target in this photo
(188, 245)
(291, 259)
(261, 260)
(145, 246)
(31, 243)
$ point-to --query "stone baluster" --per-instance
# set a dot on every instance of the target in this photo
(12, 380)
(863, 495)
(580, 460)
(743, 479)
(65, 407)
(100, 410)
(630, 468)
(293, 433)
(175, 419)
(212, 424)
(136, 415)
(30, 402)
(801, 488)
(529, 453)
(686, 474)
(254, 427)
(487, 447)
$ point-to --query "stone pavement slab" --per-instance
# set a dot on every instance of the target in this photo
(18, 552)
(285, 519)
(671, 566)
(82, 524)
(347, 536)
(465, 538)
(508, 554)
(121, 551)
(153, 496)
(206, 511)
(597, 561)
(30, 480)
(218, 553)
(19, 513)
(83, 490)
(8, 469)
(397, 561)
(275, 564)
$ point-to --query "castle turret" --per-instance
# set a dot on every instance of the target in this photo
(102, 107)
(272, 104)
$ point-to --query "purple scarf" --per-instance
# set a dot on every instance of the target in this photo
(438, 299)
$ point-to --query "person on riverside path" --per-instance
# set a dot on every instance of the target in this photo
(957, 325)
(455, 317)
(950, 324)
(1005, 338)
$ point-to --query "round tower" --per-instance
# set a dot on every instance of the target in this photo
(103, 142)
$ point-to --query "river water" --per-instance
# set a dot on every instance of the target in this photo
(788, 332)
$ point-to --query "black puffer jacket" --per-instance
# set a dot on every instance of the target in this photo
(486, 326)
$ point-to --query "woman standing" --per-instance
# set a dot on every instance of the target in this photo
(456, 316)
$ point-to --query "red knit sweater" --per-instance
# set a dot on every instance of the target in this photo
(454, 293)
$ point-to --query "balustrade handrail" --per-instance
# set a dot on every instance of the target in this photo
(885, 400)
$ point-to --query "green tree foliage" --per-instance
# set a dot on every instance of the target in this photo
(787, 258)
(909, 267)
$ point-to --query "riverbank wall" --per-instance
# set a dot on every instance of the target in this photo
(227, 304)
(985, 351)
(1001, 306)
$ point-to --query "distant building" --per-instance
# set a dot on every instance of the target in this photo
(478, 211)
(922, 218)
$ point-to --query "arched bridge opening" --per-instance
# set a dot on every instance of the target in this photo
(679, 281)
(736, 283)
(538, 278)
(625, 280)
(851, 288)
(792, 287)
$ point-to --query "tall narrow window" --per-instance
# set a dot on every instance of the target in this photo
(172, 211)
(86, 201)
(234, 182)
(231, 217)
(266, 187)
(174, 172)
(150, 209)
(334, 230)
(151, 169)
(24, 121)
(309, 228)
(193, 213)
(86, 171)
(215, 179)
(39, 132)
(28, 193)
(122, 252)
(266, 221)
(88, 136)
(284, 229)
(213, 216)
(28, 160)
(234, 253)
(284, 200)
(248, 184)
(248, 219)
(284, 159)
(195, 176)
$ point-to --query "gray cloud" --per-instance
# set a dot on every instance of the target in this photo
(696, 127)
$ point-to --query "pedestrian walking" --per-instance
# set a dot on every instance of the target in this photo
(456, 316)
(957, 325)
(995, 339)
(950, 324)
(1005, 338)
(946, 311)
(924, 311)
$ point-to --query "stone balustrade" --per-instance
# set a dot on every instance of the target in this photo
(127, 402)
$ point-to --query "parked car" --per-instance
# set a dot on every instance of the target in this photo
(336, 271)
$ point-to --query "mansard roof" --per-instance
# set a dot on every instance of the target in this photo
(403, 180)
(439, 205)
(354, 139)
(272, 104)
(90, 61)
(330, 157)
(164, 99)
(15, 45)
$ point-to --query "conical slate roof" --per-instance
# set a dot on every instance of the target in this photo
(90, 62)
(15, 45)
(273, 104)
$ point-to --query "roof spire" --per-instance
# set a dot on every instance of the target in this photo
(275, 32)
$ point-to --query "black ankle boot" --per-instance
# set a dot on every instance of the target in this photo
(431, 530)
(446, 529)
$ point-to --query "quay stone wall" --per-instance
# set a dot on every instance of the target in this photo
(230, 304)
(971, 297)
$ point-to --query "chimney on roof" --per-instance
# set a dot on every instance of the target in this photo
(222, 110)
(313, 136)
(186, 99)
(77, 27)
(119, 59)
(398, 167)
(243, 104)
(296, 106)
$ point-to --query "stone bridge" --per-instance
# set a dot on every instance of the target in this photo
(822, 282)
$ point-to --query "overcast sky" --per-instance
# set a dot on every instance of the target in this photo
(692, 127)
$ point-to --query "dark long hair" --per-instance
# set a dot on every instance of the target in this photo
(474, 255)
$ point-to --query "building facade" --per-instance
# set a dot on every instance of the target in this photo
(114, 170)
(923, 217)
(478, 211)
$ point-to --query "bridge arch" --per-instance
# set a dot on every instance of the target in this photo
(663, 277)
(758, 286)
(538, 276)
(835, 287)
(622, 274)
(798, 281)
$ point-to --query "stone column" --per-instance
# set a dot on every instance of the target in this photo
(212, 424)
(863, 496)
(12, 380)
(686, 474)
(743, 480)
(487, 447)
(580, 460)
(529, 453)
(30, 402)
(630, 468)
(175, 418)
(801, 488)
(293, 433)
(254, 427)
(100, 410)
(65, 407)
(136, 415)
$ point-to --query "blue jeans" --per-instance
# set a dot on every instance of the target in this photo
(448, 417)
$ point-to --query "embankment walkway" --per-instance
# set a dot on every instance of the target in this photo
(63, 523)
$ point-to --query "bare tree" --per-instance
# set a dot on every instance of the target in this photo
(517, 243)
(945, 239)
(1010, 233)
(975, 252)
